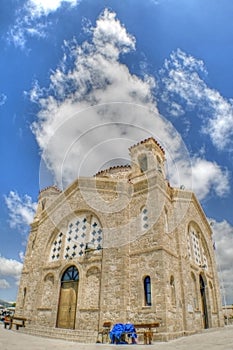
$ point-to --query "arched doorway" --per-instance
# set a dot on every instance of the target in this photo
(68, 298)
(204, 303)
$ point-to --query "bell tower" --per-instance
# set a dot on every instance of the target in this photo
(147, 156)
(46, 197)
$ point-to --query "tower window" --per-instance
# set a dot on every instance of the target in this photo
(142, 159)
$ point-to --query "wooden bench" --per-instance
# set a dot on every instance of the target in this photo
(147, 331)
(104, 333)
(18, 321)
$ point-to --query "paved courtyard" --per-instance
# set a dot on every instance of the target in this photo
(217, 339)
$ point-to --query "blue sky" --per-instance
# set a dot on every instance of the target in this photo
(78, 75)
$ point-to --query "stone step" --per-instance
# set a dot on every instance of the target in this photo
(80, 336)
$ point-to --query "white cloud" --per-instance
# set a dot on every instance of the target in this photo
(110, 37)
(183, 83)
(3, 99)
(94, 109)
(4, 284)
(21, 256)
(223, 237)
(32, 19)
(21, 210)
(10, 267)
(38, 8)
(209, 176)
(96, 79)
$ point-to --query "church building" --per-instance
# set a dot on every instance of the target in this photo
(122, 246)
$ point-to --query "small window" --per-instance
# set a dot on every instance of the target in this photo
(147, 290)
(24, 295)
(142, 159)
(173, 291)
(43, 204)
(144, 219)
(159, 164)
(165, 220)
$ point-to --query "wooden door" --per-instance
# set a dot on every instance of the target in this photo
(67, 305)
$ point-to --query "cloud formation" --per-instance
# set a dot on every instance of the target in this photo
(208, 176)
(4, 284)
(92, 100)
(223, 237)
(9, 268)
(32, 19)
(21, 210)
(38, 8)
(183, 84)
(94, 109)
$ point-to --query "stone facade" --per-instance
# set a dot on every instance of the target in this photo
(123, 246)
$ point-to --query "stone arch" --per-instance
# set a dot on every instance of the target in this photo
(94, 270)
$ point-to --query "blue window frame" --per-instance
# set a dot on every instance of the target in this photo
(147, 290)
(71, 274)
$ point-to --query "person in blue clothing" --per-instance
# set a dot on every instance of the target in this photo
(120, 330)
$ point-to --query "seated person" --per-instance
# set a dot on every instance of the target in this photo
(7, 321)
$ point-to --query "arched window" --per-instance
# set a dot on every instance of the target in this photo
(147, 290)
(71, 274)
(196, 250)
(82, 231)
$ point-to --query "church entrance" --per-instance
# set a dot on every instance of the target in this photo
(204, 303)
(68, 298)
